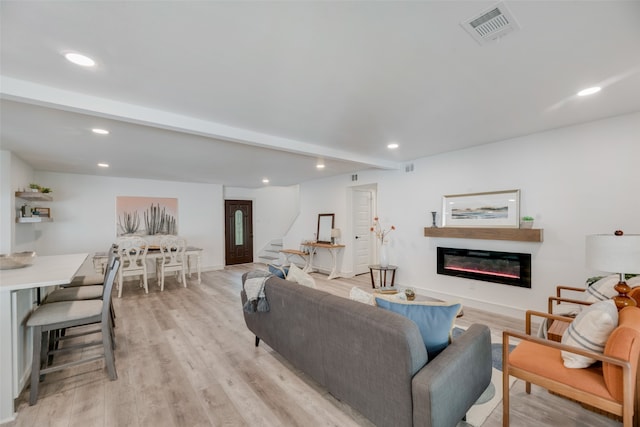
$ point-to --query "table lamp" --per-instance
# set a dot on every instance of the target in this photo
(335, 235)
(615, 253)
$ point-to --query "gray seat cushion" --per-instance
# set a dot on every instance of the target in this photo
(88, 280)
(75, 293)
(58, 312)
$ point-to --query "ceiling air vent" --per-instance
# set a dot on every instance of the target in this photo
(491, 24)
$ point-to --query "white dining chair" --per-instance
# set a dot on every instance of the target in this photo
(172, 259)
(132, 252)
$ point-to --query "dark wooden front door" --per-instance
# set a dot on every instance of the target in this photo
(238, 231)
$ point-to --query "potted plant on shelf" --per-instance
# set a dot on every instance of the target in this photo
(34, 187)
(526, 222)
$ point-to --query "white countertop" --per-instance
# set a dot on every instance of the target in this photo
(48, 270)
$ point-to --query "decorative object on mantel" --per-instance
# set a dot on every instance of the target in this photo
(526, 222)
(382, 235)
(617, 253)
(433, 217)
(491, 209)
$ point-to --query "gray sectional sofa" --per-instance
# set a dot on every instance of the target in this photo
(373, 359)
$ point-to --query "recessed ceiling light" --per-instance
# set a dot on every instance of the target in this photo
(100, 131)
(103, 165)
(265, 181)
(589, 91)
(393, 146)
(320, 166)
(79, 59)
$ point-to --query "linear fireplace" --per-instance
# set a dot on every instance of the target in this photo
(508, 268)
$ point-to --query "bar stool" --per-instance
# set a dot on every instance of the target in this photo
(71, 314)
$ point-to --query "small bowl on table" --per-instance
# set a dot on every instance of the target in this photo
(16, 260)
(410, 293)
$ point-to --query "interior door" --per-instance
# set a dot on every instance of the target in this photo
(362, 219)
(238, 231)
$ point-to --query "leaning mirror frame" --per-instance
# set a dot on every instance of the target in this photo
(325, 225)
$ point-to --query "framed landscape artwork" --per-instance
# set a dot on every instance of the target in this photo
(492, 209)
(144, 216)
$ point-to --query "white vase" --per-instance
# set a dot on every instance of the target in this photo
(383, 256)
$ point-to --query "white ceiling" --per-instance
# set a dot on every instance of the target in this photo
(231, 92)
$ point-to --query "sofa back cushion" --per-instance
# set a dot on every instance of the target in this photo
(624, 342)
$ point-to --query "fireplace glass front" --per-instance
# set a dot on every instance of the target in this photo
(509, 268)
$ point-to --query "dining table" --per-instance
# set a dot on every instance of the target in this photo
(100, 259)
(15, 306)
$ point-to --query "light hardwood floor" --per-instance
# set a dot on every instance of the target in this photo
(186, 358)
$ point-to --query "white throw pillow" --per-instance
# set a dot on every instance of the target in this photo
(603, 289)
(589, 331)
(300, 277)
(359, 295)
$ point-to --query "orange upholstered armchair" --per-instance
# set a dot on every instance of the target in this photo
(609, 385)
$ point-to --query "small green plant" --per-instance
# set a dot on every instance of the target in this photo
(34, 186)
(527, 218)
(45, 189)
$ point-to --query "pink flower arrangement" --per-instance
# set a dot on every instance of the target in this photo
(381, 233)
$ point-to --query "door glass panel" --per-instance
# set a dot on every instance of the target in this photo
(239, 232)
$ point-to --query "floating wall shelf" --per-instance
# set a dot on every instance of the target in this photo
(34, 196)
(32, 219)
(515, 234)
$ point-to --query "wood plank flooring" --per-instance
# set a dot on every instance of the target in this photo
(185, 358)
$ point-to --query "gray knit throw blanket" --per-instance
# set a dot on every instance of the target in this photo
(254, 288)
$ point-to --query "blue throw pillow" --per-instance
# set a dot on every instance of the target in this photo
(278, 271)
(434, 319)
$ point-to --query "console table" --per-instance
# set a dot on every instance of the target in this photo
(288, 253)
(333, 250)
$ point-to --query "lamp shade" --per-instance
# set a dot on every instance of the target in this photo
(335, 232)
(614, 254)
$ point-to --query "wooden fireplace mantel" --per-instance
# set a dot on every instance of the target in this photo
(515, 234)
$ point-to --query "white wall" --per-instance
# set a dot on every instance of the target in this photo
(274, 210)
(575, 181)
(84, 213)
(15, 175)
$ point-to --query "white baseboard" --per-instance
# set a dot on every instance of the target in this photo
(492, 307)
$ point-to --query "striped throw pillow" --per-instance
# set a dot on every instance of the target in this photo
(589, 331)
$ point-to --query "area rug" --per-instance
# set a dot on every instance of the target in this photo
(492, 396)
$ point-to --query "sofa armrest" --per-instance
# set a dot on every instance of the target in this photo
(446, 387)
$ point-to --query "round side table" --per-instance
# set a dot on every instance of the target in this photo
(382, 271)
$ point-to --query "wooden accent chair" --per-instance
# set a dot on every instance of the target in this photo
(609, 386)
